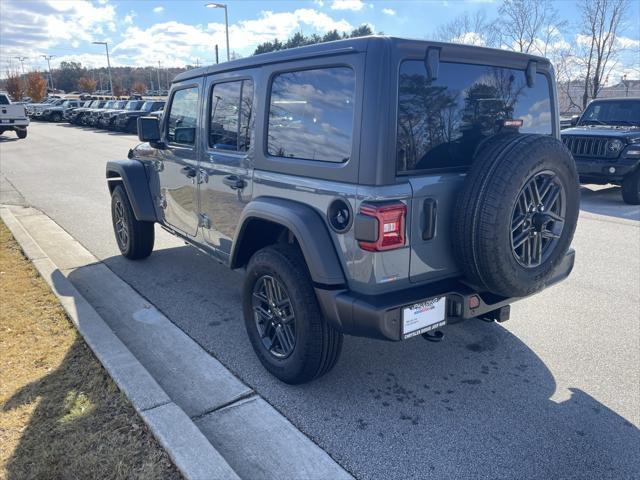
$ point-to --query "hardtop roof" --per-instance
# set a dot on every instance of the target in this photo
(360, 44)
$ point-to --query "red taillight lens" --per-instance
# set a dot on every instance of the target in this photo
(391, 220)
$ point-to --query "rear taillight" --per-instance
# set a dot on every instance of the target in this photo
(391, 225)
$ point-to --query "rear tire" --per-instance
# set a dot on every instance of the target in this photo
(520, 196)
(631, 188)
(134, 238)
(313, 348)
(21, 133)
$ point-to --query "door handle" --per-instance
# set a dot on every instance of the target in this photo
(234, 182)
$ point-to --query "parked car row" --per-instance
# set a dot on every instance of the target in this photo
(118, 115)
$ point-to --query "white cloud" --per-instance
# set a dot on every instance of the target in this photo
(355, 5)
(320, 3)
(33, 28)
(389, 11)
(470, 38)
(630, 43)
(158, 9)
(128, 18)
(177, 43)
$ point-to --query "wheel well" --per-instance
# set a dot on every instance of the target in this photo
(112, 183)
(257, 234)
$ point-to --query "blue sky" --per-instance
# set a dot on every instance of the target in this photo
(180, 32)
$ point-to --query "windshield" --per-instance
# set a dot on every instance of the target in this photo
(66, 103)
(119, 104)
(133, 105)
(148, 106)
(611, 112)
(108, 104)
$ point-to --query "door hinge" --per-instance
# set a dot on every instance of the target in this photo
(203, 221)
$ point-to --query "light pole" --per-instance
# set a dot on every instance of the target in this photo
(106, 45)
(226, 21)
(159, 87)
(24, 80)
(48, 59)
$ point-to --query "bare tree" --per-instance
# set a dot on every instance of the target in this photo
(601, 21)
(472, 29)
(529, 26)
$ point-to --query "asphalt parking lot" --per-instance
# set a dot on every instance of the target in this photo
(553, 393)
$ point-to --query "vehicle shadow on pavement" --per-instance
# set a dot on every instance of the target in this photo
(81, 427)
(479, 404)
(4, 139)
(607, 201)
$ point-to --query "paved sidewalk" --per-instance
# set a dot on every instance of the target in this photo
(212, 424)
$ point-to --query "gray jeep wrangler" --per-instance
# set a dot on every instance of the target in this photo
(377, 187)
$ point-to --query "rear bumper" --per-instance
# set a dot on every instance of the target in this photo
(19, 124)
(380, 316)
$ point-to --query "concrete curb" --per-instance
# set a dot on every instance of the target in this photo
(211, 424)
(189, 449)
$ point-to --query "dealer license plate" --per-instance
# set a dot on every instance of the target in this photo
(423, 317)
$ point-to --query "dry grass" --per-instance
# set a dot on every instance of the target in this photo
(61, 416)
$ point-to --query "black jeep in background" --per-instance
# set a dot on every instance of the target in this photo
(605, 143)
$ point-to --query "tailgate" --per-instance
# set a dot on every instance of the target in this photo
(13, 112)
(432, 206)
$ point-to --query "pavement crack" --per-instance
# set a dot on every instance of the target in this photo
(230, 403)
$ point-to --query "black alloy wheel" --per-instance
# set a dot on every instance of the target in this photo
(120, 225)
(274, 316)
(538, 219)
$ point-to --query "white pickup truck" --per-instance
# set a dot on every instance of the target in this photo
(12, 117)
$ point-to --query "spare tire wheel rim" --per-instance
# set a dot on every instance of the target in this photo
(538, 219)
(274, 317)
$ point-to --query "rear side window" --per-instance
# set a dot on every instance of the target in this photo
(311, 114)
(4, 100)
(231, 116)
(441, 122)
(183, 115)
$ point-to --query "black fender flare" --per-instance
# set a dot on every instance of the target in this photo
(133, 176)
(307, 226)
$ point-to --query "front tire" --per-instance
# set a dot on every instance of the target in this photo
(56, 117)
(284, 322)
(631, 188)
(134, 238)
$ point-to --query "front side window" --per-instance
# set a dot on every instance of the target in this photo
(231, 116)
(442, 121)
(311, 114)
(183, 115)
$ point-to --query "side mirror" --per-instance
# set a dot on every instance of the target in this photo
(148, 129)
(574, 120)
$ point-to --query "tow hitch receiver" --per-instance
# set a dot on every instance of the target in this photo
(499, 315)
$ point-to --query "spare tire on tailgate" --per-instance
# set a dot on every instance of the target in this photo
(516, 214)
